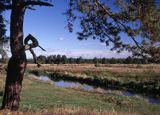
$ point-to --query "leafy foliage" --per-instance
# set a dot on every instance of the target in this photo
(139, 19)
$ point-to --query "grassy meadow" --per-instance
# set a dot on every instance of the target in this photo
(40, 97)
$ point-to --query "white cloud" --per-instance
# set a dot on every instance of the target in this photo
(61, 39)
(82, 53)
(98, 54)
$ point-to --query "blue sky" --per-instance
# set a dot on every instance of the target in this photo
(48, 25)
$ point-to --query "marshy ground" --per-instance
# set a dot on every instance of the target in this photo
(44, 97)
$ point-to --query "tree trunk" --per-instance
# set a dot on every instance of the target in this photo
(17, 63)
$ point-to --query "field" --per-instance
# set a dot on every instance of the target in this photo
(115, 68)
(44, 97)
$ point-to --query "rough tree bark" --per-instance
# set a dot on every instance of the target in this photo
(17, 63)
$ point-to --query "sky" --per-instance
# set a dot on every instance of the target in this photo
(48, 25)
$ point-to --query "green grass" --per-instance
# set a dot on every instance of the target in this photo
(46, 95)
(38, 96)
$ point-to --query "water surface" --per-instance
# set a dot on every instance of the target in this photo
(71, 84)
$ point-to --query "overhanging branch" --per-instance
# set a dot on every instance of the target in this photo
(5, 7)
(129, 31)
(40, 3)
(30, 8)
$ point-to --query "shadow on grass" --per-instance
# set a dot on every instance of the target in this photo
(1, 93)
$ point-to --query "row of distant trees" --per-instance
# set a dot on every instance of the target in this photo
(63, 59)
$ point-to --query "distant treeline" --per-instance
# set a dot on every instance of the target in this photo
(62, 59)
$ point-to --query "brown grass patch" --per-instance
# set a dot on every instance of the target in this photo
(67, 111)
(78, 68)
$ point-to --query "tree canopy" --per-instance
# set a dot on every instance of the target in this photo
(107, 20)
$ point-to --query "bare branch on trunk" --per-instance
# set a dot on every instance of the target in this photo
(29, 47)
(40, 3)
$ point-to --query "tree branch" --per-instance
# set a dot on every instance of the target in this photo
(5, 7)
(35, 58)
(30, 8)
(40, 3)
(29, 47)
(34, 43)
(129, 31)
